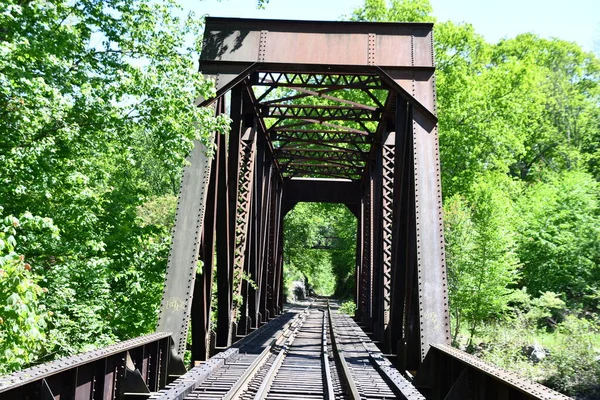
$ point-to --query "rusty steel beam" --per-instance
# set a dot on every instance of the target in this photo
(201, 303)
(319, 112)
(297, 159)
(242, 210)
(354, 154)
(304, 93)
(311, 122)
(400, 225)
(317, 42)
(314, 190)
(387, 217)
(451, 374)
(128, 369)
(330, 81)
(299, 173)
(377, 276)
(431, 258)
(180, 277)
(316, 135)
(368, 232)
(284, 144)
(358, 258)
(262, 129)
(271, 258)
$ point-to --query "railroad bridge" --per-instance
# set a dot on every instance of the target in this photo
(340, 112)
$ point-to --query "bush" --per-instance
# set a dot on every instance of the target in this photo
(348, 307)
(575, 359)
(23, 320)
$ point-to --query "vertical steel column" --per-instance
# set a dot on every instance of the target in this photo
(431, 263)
(362, 279)
(252, 260)
(404, 318)
(377, 248)
(243, 324)
(227, 196)
(183, 259)
(264, 292)
(271, 251)
(358, 264)
(201, 304)
(279, 243)
(387, 198)
(368, 255)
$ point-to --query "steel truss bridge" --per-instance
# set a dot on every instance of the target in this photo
(339, 112)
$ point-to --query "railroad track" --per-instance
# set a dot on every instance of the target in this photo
(319, 354)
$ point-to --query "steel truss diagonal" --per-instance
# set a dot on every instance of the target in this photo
(242, 211)
(387, 221)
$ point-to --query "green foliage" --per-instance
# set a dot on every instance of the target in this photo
(574, 361)
(348, 307)
(396, 10)
(571, 352)
(518, 126)
(96, 117)
(480, 248)
(559, 241)
(320, 242)
(541, 311)
(23, 320)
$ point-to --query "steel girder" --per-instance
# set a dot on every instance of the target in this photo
(130, 369)
(291, 118)
(183, 258)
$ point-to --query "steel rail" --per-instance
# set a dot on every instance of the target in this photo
(338, 353)
(329, 392)
(243, 382)
(182, 387)
(399, 384)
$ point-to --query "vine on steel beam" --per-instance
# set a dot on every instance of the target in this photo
(201, 303)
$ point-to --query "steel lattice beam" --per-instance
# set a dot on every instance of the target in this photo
(318, 136)
(388, 152)
(319, 113)
(321, 80)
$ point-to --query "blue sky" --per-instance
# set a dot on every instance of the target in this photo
(573, 20)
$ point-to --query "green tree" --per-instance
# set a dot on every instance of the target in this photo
(482, 264)
(320, 242)
(96, 117)
(23, 319)
(395, 11)
(559, 241)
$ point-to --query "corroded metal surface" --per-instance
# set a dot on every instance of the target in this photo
(135, 366)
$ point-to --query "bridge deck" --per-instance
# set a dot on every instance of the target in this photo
(305, 353)
(312, 353)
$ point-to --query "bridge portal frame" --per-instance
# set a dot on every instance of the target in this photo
(242, 195)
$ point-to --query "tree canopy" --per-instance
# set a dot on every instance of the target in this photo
(96, 117)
